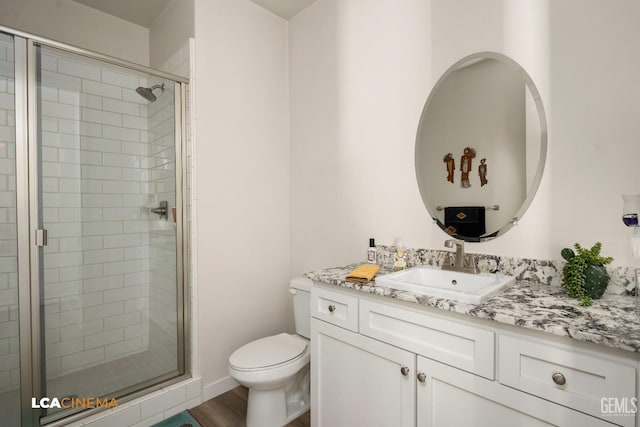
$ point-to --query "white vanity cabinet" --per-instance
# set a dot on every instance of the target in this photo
(381, 363)
(359, 381)
(451, 397)
(578, 380)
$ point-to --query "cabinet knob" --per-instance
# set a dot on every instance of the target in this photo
(332, 308)
(404, 371)
(422, 377)
(558, 378)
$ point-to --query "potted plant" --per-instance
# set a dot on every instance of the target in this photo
(584, 275)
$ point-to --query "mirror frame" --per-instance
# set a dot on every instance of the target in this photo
(535, 183)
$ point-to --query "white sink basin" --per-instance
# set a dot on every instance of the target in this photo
(435, 282)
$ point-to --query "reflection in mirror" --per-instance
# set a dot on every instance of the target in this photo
(481, 147)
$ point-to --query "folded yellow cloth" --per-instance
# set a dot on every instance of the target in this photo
(364, 273)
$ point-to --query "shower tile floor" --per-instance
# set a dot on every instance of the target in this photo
(105, 379)
(96, 381)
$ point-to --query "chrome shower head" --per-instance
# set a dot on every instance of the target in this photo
(147, 92)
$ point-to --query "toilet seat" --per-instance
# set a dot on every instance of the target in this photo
(268, 352)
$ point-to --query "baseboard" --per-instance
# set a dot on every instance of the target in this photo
(216, 388)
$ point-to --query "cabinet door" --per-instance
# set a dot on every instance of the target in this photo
(451, 397)
(358, 381)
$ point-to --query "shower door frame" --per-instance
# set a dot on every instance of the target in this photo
(29, 221)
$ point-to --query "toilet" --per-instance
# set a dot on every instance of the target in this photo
(275, 369)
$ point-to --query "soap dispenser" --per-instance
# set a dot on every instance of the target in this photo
(400, 258)
(372, 256)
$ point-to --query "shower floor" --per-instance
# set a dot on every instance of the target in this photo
(107, 378)
(98, 381)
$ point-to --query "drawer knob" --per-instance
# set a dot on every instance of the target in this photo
(332, 308)
(422, 377)
(404, 371)
(558, 378)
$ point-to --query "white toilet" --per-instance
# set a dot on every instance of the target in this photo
(275, 369)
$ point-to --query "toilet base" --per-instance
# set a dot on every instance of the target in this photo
(269, 408)
(277, 394)
(294, 410)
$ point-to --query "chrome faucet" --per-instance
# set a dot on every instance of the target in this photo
(461, 262)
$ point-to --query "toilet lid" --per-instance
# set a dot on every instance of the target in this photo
(268, 351)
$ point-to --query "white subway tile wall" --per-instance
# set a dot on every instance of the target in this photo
(162, 254)
(156, 407)
(110, 263)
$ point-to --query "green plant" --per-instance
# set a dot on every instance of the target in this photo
(584, 275)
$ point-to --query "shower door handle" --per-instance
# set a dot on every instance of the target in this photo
(162, 210)
(41, 237)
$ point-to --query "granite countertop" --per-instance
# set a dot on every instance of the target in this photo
(613, 320)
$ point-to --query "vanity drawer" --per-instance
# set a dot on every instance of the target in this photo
(565, 376)
(436, 337)
(337, 308)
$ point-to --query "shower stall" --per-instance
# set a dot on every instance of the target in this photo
(92, 231)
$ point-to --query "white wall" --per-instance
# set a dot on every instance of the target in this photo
(242, 173)
(359, 79)
(361, 72)
(78, 25)
(169, 32)
(595, 107)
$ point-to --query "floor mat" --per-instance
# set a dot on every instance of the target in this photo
(183, 419)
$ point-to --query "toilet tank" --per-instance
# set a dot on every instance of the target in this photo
(300, 288)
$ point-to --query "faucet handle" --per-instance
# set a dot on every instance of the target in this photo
(471, 263)
(449, 243)
(447, 263)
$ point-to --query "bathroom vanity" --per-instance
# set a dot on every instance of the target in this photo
(527, 357)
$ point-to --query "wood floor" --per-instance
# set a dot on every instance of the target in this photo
(230, 409)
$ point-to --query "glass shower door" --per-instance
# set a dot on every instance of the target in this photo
(109, 289)
(10, 401)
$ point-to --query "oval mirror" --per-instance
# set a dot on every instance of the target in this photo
(481, 147)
